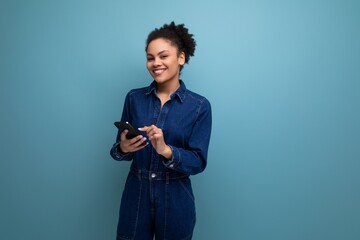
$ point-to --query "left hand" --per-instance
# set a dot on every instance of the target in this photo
(156, 138)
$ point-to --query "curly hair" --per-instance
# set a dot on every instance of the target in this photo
(178, 35)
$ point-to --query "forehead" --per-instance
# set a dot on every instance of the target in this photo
(159, 45)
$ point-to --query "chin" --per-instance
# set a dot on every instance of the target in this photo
(159, 79)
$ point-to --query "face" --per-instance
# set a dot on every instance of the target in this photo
(164, 61)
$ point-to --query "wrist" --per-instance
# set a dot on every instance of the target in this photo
(167, 153)
(120, 150)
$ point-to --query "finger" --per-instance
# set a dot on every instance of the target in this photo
(147, 129)
(141, 146)
(135, 139)
(125, 142)
(134, 144)
(123, 135)
(143, 129)
(140, 142)
(150, 131)
(153, 129)
(157, 136)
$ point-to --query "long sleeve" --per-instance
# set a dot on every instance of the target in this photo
(114, 151)
(193, 158)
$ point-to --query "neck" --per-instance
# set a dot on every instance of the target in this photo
(168, 88)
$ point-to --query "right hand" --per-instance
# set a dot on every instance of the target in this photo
(133, 144)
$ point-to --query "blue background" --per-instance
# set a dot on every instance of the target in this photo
(283, 78)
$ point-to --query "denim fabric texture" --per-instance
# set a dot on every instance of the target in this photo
(158, 199)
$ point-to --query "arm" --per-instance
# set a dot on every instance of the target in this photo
(193, 159)
(116, 152)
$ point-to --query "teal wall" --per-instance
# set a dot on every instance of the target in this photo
(284, 81)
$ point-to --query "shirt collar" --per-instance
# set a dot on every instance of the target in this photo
(180, 92)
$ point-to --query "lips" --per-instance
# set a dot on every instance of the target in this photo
(158, 71)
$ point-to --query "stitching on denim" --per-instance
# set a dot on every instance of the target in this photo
(137, 212)
(166, 210)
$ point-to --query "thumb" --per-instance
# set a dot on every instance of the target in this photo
(123, 134)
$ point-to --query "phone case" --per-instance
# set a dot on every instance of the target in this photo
(132, 132)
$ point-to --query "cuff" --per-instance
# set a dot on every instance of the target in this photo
(175, 159)
(116, 153)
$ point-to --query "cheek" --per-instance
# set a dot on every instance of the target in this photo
(148, 65)
(174, 63)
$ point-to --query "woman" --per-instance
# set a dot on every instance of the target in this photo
(175, 126)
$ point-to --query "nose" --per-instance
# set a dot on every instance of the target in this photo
(156, 62)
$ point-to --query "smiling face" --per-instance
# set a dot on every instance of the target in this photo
(164, 61)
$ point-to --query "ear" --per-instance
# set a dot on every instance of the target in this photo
(181, 58)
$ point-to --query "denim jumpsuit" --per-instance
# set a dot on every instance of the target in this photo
(157, 199)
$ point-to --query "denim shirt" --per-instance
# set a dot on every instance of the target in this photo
(186, 124)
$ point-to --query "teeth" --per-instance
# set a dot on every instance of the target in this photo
(159, 71)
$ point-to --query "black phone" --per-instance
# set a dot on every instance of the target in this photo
(132, 132)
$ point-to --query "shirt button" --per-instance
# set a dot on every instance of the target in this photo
(153, 175)
(171, 165)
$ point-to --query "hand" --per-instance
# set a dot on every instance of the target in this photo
(156, 138)
(133, 144)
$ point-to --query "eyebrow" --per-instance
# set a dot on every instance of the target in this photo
(161, 52)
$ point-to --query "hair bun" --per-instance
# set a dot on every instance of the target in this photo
(188, 42)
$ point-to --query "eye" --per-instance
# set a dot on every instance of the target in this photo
(149, 59)
(163, 56)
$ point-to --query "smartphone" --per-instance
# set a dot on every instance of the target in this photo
(132, 132)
